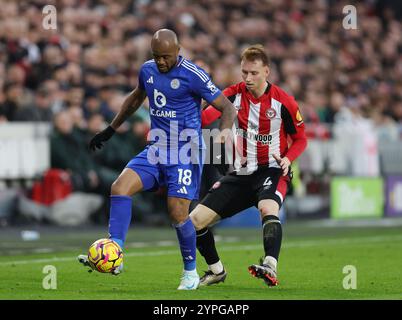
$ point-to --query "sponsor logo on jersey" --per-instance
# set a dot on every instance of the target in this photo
(175, 84)
(150, 80)
(263, 138)
(163, 113)
(159, 99)
(253, 126)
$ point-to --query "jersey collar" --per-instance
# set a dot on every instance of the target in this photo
(180, 60)
(256, 100)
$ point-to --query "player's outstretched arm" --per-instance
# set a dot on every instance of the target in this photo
(130, 105)
(228, 111)
(209, 115)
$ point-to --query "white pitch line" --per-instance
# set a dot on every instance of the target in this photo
(303, 243)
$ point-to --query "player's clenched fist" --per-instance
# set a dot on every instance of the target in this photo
(99, 138)
(284, 163)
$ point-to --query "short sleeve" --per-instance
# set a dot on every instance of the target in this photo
(291, 115)
(141, 78)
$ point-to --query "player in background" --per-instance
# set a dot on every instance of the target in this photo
(174, 87)
(215, 168)
(268, 118)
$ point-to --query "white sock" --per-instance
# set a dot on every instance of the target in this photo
(216, 267)
(271, 261)
(193, 272)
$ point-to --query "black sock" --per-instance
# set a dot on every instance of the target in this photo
(272, 235)
(206, 246)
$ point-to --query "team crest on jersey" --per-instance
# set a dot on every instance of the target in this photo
(175, 84)
(270, 113)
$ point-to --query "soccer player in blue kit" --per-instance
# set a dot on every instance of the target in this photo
(174, 87)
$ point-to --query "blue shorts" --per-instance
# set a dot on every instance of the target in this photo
(182, 180)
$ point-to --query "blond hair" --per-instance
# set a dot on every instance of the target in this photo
(256, 52)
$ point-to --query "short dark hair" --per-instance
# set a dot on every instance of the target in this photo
(256, 52)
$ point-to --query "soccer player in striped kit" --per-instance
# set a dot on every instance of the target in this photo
(269, 136)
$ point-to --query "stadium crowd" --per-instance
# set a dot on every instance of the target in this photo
(77, 75)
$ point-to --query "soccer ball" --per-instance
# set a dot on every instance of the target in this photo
(105, 255)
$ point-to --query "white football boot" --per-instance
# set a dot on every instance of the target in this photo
(83, 259)
(210, 278)
(118, 270)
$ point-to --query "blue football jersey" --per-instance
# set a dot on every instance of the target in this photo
(175, 100)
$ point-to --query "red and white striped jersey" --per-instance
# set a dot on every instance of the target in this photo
(264, 126)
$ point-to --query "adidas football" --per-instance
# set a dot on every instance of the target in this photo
(105, 255)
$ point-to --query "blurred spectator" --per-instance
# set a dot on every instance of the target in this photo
(12, 100)
(77, 116)
(128, 140)
(92, 106)
(396, 111)
(39, 111)
(56, 96)
(69, 152)
(100, 45)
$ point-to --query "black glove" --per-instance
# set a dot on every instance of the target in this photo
(100, 137)
(218, 160)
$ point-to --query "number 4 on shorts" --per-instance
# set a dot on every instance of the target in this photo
(267, 182)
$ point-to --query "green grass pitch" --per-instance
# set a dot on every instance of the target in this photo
(310, 267)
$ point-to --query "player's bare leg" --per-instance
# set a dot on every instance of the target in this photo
(272, 238)
(128, 183)
(178, 211)
(202, 218)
